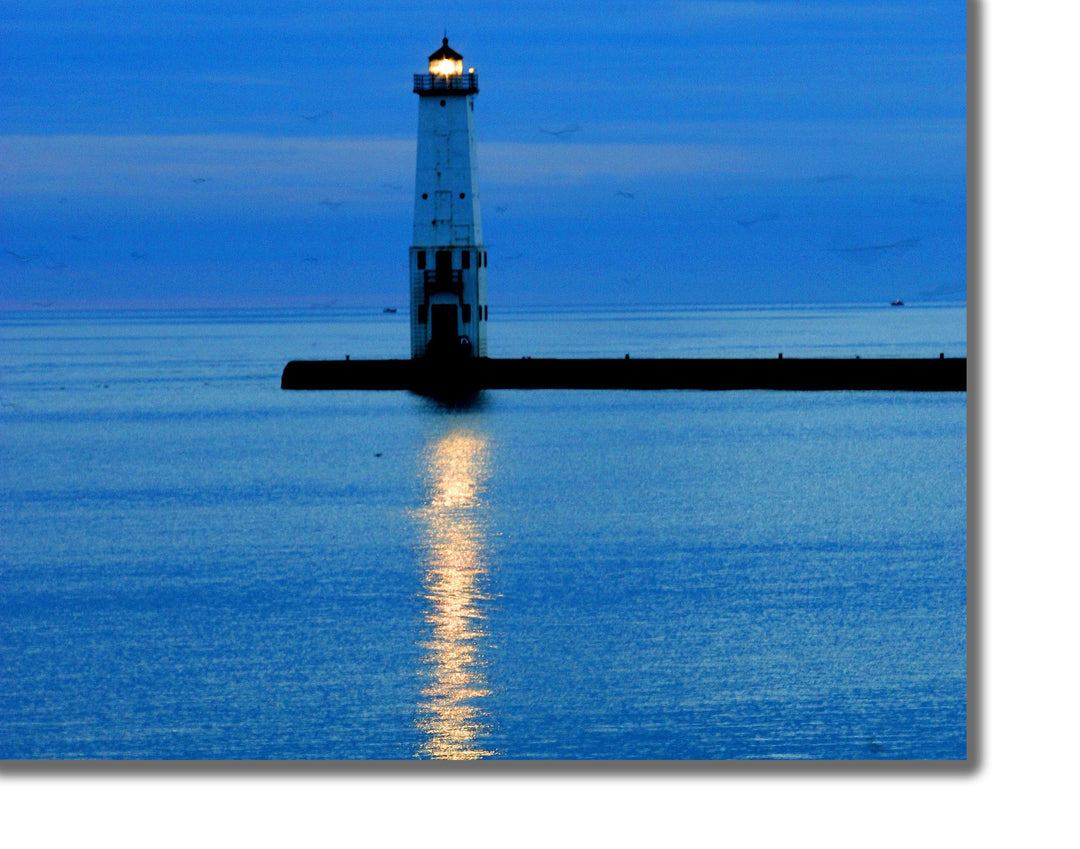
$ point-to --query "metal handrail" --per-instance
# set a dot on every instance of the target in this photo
(438, 83)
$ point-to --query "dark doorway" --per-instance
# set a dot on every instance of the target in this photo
(443, 269)
(444, 328)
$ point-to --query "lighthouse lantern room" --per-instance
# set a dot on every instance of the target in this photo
(447, 261)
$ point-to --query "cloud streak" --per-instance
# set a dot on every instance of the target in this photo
(742, 11)
(545, 163)
(159, 168)
(260, 166)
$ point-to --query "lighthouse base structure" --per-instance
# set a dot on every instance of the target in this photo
(467, 375)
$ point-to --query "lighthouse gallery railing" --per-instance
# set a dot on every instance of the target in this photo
(438, 83)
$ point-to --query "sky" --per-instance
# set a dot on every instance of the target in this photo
(228, 153)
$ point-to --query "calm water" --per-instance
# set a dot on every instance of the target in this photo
(196, 564)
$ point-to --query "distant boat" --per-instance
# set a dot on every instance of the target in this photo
(390, 309)
(897, 303)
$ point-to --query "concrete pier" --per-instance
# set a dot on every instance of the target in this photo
(472, 374)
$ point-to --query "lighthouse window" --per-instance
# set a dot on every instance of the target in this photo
(424, 195)
(461, 195)
(466, 313)
(442, 102)
(465, 259)
(421, 260)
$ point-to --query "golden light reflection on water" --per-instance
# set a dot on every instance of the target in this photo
(451, 710)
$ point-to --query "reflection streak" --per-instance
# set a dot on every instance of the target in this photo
(450, 711)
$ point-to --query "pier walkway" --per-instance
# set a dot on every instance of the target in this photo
(434, 377)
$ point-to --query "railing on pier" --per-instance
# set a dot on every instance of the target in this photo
(430, 84)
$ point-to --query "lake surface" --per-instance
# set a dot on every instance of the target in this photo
(197, 564)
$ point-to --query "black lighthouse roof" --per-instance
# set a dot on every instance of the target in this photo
(445, 52)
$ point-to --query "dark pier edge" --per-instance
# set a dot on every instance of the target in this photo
(469, 375)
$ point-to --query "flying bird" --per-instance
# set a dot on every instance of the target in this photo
(563, 131)
(768, 216)
(903, 243)
(872, 253)
(311, 119)
(44, 258)
(945, 290)
(622, 194)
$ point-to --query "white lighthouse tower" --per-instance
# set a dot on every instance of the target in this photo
(447, 261)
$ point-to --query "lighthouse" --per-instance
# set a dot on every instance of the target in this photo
(447, 260)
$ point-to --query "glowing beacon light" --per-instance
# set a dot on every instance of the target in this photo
(445, 62)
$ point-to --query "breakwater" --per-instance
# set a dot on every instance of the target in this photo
(467, 375)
